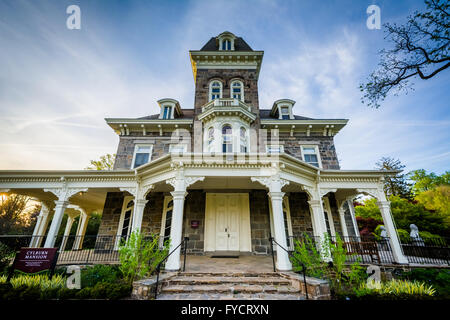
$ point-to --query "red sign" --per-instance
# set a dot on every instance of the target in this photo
(195, 224)
(32, 260)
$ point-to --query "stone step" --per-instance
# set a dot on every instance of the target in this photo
(227, 288)
(229, 274)
(194, 280)
(229, 296)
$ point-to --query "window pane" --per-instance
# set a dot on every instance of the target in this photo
(141, 158)
(143, 149)
(309, 150)
(285, 117)
(226, 130)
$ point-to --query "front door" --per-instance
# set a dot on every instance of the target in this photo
(227, 222)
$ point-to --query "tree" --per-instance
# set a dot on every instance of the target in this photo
(424, 181)
(17, 214)
(395, 185)
(437, 199)
(420, 50)
(106, 162)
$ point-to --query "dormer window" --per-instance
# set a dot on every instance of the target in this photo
(215, 90)
(167, 112)
(282, 109)
(170, 109)
(226, 45)
(285, 114)
(237, 90)
(226, 41)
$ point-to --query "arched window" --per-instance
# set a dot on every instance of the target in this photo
(125, 218)
(243, 136)
(227, 138)
(215, 90)
(210, 140)
(166, 222)
(237, 90)
(226, 45)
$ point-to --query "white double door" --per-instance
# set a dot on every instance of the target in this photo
(227, 222)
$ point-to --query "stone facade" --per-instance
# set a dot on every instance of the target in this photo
(111, 213)
(300, 214)
(259, 221)
(194, 209)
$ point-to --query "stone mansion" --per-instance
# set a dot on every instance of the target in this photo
(226, 172)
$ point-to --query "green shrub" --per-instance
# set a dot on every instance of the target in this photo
(6, 256)
(402, 288)
(139, 257)
(90, 276)
(438, 278)
(40, 281)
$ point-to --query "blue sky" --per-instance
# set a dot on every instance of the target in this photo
(57, 85)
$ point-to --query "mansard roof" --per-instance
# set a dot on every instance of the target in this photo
(239, 45)
(265, 114)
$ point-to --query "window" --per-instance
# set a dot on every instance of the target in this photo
(177, 148)
(210, 140)
(243, 136)
(226, 45)
(328, 217)
(142, 155)
(166, 222)
(126, 216)
(311, 155)
(285, 114)
(275, 149)
(215, 90)
(227, 139)
(167, 113)
(237, 90)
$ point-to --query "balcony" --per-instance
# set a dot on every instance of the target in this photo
(227, 107)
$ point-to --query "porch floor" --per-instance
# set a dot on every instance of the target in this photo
(245, 263)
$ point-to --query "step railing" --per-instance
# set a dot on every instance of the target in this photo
(158, 267)
(272, 240)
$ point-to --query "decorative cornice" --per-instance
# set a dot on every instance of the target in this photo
(131, 190)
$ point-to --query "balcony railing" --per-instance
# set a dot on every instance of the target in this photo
(226, 102)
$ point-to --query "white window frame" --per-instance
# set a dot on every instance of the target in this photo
(210, 89)
(280, 114)
(316, 148)
(280, 147)
(242, 89)
(210, 142)
(327, 209)
(126, 201)
(230, 135)
(167, 200)
(136, 149)
(243, 141)
(170, 108)
(172, 148)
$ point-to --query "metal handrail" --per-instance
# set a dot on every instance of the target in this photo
(158, 267)
(271, 239)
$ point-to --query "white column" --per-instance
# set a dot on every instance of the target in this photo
(343, 223)
(173, 262)
(283, 263)
(319, 224)
(138, 214)
(81, 231)
(40, 227)
(56, 223)
(70, 220)
(385, 209)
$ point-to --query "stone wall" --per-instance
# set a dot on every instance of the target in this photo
(300, 214)
(111, 213)
(125, 149)
(259, 221)
(194, 209)
(292, 146)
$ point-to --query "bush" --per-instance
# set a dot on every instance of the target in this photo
(42, 282)
(438, 278)
(90, 276)
(6, 256)
(139, 257)
(400, 288)
(339, 275)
